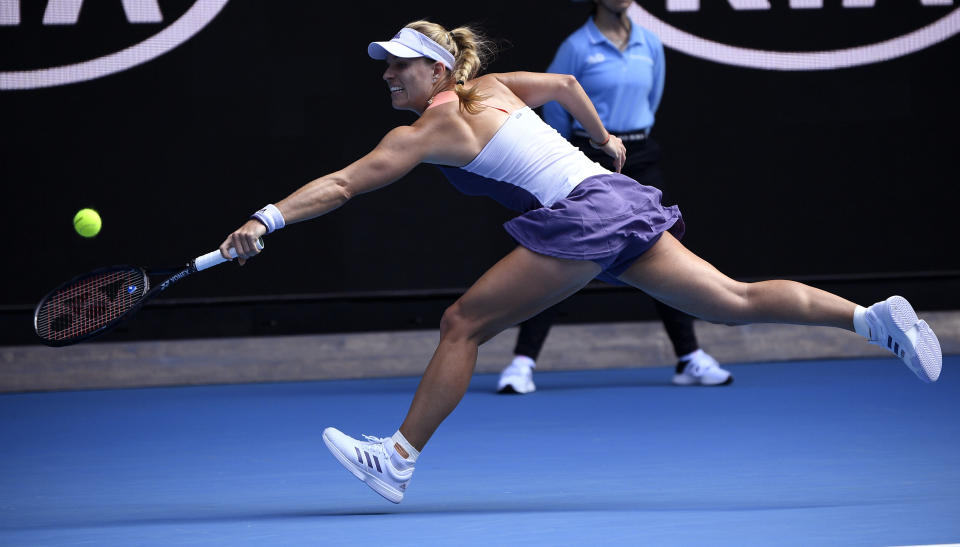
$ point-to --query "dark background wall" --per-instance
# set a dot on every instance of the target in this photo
(843, 178)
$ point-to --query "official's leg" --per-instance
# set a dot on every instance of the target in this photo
(679, 327)
(695, 367)
(517, 376)
(533, 333)
(672, 274)
(516, 288)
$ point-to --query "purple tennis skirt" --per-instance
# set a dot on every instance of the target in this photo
(609, 219)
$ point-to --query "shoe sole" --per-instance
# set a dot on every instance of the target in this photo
(509, 386)
(510, 389)
(374, 483)
(680, 380)
(926, 358)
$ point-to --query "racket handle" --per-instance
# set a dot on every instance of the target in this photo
(214, 258)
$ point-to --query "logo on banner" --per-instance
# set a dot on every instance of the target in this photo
(883, 50)
(66, 13)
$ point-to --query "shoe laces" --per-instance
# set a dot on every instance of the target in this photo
(379, 443)
(373, 439)
(400, 474)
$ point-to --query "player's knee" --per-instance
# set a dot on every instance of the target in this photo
(454, 323)
(457, 324)
(746, 303)
(732, 306)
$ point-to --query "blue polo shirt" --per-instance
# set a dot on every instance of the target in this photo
(625, 86)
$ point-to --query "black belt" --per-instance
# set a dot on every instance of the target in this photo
(628, 136)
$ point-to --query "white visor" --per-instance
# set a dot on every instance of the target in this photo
(409, 43)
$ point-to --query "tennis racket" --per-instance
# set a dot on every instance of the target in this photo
(95, 302)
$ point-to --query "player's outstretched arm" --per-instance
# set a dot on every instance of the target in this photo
(399, 152)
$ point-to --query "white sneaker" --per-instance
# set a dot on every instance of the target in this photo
(370, 462)
(702, 370)
(517, 377)
(894, 325)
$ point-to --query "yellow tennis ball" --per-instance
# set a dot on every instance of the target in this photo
(87, 222)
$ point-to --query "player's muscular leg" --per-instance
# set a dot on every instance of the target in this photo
(516, 288)
(672, 274)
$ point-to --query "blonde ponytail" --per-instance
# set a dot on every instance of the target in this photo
(471, 50)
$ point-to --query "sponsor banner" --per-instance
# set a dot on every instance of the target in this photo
(670, 21)
(66, 13)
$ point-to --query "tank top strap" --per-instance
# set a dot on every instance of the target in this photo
(495, 108)
(442, 98)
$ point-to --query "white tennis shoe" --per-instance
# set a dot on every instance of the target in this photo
(894, 325)
(702, 370)
(517, 378)
(370, 462)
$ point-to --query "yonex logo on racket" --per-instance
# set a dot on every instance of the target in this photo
(175, 278)
(940, 20)
(78, 57)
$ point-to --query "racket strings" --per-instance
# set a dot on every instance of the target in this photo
(90, 303)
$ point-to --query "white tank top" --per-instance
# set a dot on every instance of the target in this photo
(526, 152)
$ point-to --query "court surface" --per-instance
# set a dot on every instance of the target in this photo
(851, 452)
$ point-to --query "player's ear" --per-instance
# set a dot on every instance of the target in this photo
(439, 70)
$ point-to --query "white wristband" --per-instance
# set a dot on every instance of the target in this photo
(271, 217)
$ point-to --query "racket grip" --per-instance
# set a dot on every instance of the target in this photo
(214, 258)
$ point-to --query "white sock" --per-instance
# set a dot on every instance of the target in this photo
(523, 360)
(396, 458)
(860, 322)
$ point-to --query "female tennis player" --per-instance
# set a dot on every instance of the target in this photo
(581, 221)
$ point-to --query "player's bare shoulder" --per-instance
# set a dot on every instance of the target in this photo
(443, 122)
(496, 93)
(448, 135)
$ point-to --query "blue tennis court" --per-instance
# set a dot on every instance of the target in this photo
(850, 452)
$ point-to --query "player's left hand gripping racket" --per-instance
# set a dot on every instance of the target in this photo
(93, 303)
